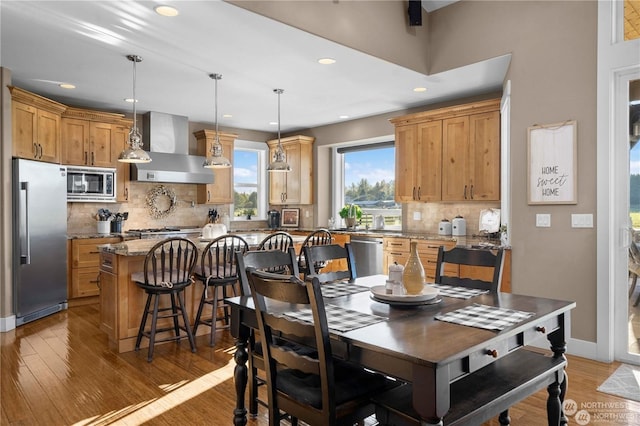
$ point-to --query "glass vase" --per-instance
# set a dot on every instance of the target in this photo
(413, 274)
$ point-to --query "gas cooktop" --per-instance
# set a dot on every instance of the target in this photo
(167, 230)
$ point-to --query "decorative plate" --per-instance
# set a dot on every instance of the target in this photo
(428, 292)
(433, 301)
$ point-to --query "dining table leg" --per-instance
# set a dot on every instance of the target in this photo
(240, 371)
(558, 389)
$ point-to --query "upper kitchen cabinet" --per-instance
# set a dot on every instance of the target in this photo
(87, 137)
(449, 154)
(36, 126)
(471, 158)
(221, 190)
(419, 162)
(119, 142)
(296, 186)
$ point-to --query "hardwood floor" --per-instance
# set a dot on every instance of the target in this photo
(59, 371)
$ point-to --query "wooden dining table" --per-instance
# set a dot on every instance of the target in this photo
(440, 359)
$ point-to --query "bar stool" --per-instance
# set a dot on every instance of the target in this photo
(168, 269)
(218, 270)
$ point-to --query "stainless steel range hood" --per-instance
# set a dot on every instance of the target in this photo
(166, 138)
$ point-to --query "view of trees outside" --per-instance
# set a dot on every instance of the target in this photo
(245, 183)
(369, 182)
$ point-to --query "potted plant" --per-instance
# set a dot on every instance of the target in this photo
(350, 213)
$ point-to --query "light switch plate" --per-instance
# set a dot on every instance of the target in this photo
(543, 220)
(582, 220)
(417, 216)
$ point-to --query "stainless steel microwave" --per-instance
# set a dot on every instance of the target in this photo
(91, 184)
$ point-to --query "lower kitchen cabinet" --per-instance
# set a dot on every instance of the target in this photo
(397, 250)
(84, 267)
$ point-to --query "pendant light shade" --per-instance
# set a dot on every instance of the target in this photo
(134, 152)
(217, 160)
(279, 163)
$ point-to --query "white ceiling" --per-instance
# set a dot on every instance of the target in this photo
(85, 43)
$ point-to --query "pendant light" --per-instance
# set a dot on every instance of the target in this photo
(134, 152)
(279, 163)
(216, 160)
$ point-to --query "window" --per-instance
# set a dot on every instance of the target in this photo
(368, 180)
(249, 180)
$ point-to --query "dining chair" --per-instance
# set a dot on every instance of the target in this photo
(317, 390)
(168, 269)
(276, 241)
(470, 257)
(319, 237)
(264, 260)
(322, 255)
(217, 272)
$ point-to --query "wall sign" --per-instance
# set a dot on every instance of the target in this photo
(553, 163)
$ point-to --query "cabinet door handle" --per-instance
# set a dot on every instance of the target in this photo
(419, 194)
(208, 195)
(413, 193)
(85, 157)
(97, 281)
(40, 151)
(465, 192)
(471, 192)
(126, 193)
(93, 158)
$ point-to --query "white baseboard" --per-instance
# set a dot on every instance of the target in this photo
(7, 323)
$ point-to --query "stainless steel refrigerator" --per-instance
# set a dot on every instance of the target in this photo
(39, 239)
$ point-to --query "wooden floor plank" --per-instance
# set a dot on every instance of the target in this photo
(59, 371)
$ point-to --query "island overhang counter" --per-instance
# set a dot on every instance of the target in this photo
(122, 302)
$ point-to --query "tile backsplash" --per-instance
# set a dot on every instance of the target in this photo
(432, 213)
(81, 216)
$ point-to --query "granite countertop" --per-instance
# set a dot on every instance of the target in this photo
(140, 247)
(80, 235)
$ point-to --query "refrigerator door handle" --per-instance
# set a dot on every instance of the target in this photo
(25, 236)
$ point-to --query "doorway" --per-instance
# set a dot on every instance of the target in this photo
(633, 305)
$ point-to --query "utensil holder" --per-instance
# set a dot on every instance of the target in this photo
(104, 227)
(116, 226)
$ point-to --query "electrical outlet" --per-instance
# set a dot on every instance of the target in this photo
(417, 216)
(306, 213)
(543, 220)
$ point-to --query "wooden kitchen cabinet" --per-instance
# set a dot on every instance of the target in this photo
(87, 137)
(296, 186)
(36, 126)
(221, 190)
(471, 158)
(449, 154)
(85, 266)
(419, 162)
(120, 141)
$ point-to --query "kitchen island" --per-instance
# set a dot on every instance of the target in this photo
(122, 301)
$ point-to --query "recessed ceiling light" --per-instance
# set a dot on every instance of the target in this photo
(273, 123)
(227, 116)
(420, 89)
(67, 86)
(130, 100)
(344, 116)
(326, 61)
(166, 11)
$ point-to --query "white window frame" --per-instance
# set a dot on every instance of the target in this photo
(263, 184)
(337, 164)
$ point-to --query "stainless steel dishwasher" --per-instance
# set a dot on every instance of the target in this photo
(367, 252)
